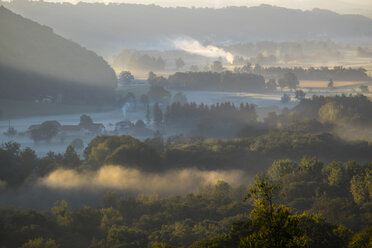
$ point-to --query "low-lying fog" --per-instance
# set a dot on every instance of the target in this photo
(87, 187)
(265, 102)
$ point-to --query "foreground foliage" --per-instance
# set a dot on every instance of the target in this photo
(215, 216)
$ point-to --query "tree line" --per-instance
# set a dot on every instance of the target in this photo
(324, 73)
(226, 81)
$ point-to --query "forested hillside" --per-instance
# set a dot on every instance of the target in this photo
(154, 23)
(36, 63)
(336, 196)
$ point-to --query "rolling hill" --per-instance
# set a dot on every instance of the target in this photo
(104, 27)
(36, 63)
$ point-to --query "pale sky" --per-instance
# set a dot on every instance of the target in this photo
(363, 7)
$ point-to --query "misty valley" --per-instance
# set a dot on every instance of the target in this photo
(137, 125)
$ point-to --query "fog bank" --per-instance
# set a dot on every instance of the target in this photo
(128, 179)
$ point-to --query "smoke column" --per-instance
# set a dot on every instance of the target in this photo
(195, 47)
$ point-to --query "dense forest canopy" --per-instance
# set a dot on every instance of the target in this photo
(333, 193)
(337, 109)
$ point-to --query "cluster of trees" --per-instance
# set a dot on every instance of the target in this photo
(125, 77)
(323, 73)
(45, 131)
(249, 78)
(336, 109)
(255, 153)
(121, 150)
(227, 81)
(336, 197)
(219, 119)
(257, 147)
(285, 135)
(17, 165)
(275, 225)
(340, 191)
(308, 129)
(134, 60)
(289, 80)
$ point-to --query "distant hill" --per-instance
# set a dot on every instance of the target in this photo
(36, 63)
(114, 26)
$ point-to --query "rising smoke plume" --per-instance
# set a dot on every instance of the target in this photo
(195, 47)
(128, 179)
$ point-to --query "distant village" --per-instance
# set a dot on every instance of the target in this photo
(86, 127)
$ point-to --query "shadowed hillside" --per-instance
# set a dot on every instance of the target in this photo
(36, 63)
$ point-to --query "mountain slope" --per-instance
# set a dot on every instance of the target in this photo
(33, 57)
(100, 26)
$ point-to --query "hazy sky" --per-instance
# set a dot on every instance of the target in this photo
(342, 6)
